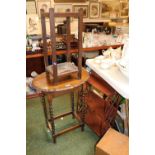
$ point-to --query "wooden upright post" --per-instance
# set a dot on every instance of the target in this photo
(68, 37)
(80, 29)
(53, 44)
(43, 23)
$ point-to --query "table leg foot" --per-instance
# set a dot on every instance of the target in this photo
(54, 139)
(82, 127)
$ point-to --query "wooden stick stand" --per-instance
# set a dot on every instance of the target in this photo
(53, 71)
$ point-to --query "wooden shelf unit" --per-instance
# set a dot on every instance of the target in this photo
(96, 115)
(59, 52)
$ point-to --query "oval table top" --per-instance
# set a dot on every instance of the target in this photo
(41, 84)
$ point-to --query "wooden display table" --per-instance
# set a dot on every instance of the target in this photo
(50, 90)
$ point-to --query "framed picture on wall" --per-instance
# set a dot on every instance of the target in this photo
(109, 9)
(94, 9)
(61, 8)
(31, 7)
(84, 7)
(124, 7)
(43, 4)
(33, 24)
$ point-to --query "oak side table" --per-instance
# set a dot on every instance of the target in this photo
(50, 91)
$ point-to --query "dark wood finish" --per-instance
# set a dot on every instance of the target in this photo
(51, 90)
(82, 107)
(72, 103)
(43, 23)
(68, 14)
(53, 45)
(68, 34)
(62, 115)
(49, 97)
(52, 74)
(80, 30)
(97, 82)
(43, 101)
(67, 130)
(34, 64)
(100, 113)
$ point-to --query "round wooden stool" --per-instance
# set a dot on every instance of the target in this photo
(52, 90)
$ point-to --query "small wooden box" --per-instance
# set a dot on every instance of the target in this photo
(113, 143)
(63, 68)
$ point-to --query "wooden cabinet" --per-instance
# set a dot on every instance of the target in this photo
(101, 112)
(96, 115)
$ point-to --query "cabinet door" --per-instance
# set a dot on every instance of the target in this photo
(34, 64)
